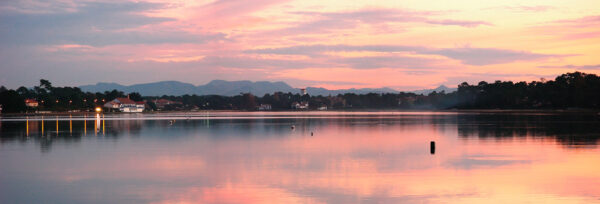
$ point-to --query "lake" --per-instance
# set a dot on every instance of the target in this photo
(301, 157)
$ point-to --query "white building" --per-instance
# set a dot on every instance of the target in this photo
(264, 107)
(301, 105)
(303, 92)
(126, 105)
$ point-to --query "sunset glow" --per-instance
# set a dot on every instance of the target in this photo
(333, 44)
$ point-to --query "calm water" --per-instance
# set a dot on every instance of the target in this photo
(258, 158)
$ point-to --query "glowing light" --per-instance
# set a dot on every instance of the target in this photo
(98, 109)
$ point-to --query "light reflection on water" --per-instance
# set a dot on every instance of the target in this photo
(254, 158)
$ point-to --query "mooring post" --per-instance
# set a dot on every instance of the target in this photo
(432, 147)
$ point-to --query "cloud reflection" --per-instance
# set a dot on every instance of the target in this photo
(348, 160)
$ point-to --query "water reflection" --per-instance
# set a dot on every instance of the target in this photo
(577, 131)
(450, 158)
(567, 129)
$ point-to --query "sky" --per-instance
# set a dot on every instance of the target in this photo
(404, 45)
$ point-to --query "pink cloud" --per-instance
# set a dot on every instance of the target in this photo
(587, 21)
(584, 35)
(571, 29)
(230, 14)
(539, 8)
(379, 20)
(467, 55)
(570, 66)
(229, 8)
(463, 23)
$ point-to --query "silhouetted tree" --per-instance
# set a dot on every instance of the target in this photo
(135, 96)
(570, 90)
(12, 102)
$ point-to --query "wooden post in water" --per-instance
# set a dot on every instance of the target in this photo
(432, 147)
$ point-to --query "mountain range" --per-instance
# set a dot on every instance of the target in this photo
(438, 90)
(231, 88)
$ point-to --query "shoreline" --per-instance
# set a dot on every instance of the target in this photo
(489, 111)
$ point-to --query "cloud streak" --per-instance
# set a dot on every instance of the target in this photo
(463, 23)
(585, 27)
(523, 9)
(467, 55)
(97, 24)
(376, 18)
(586, 21)
(570, 66)
(487, 56)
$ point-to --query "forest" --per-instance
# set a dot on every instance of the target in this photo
(574, 90)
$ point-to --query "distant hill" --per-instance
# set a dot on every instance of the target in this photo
(148, 89)
(232, 88)
(325, 92)
(221, 87)
(438, 89)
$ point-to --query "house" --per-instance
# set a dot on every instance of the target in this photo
(407, 100)
(264, 107)
(301, 105)
(161, 103)
(32, 103)
(125, 105)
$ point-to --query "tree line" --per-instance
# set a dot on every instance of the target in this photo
(52, 98)
(570, 90)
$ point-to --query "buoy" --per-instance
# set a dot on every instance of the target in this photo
(432, 147)
(293, 126)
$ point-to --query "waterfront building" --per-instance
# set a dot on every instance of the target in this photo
(125, 105)
(32, 103)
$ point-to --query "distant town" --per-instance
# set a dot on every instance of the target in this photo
(571, 90)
